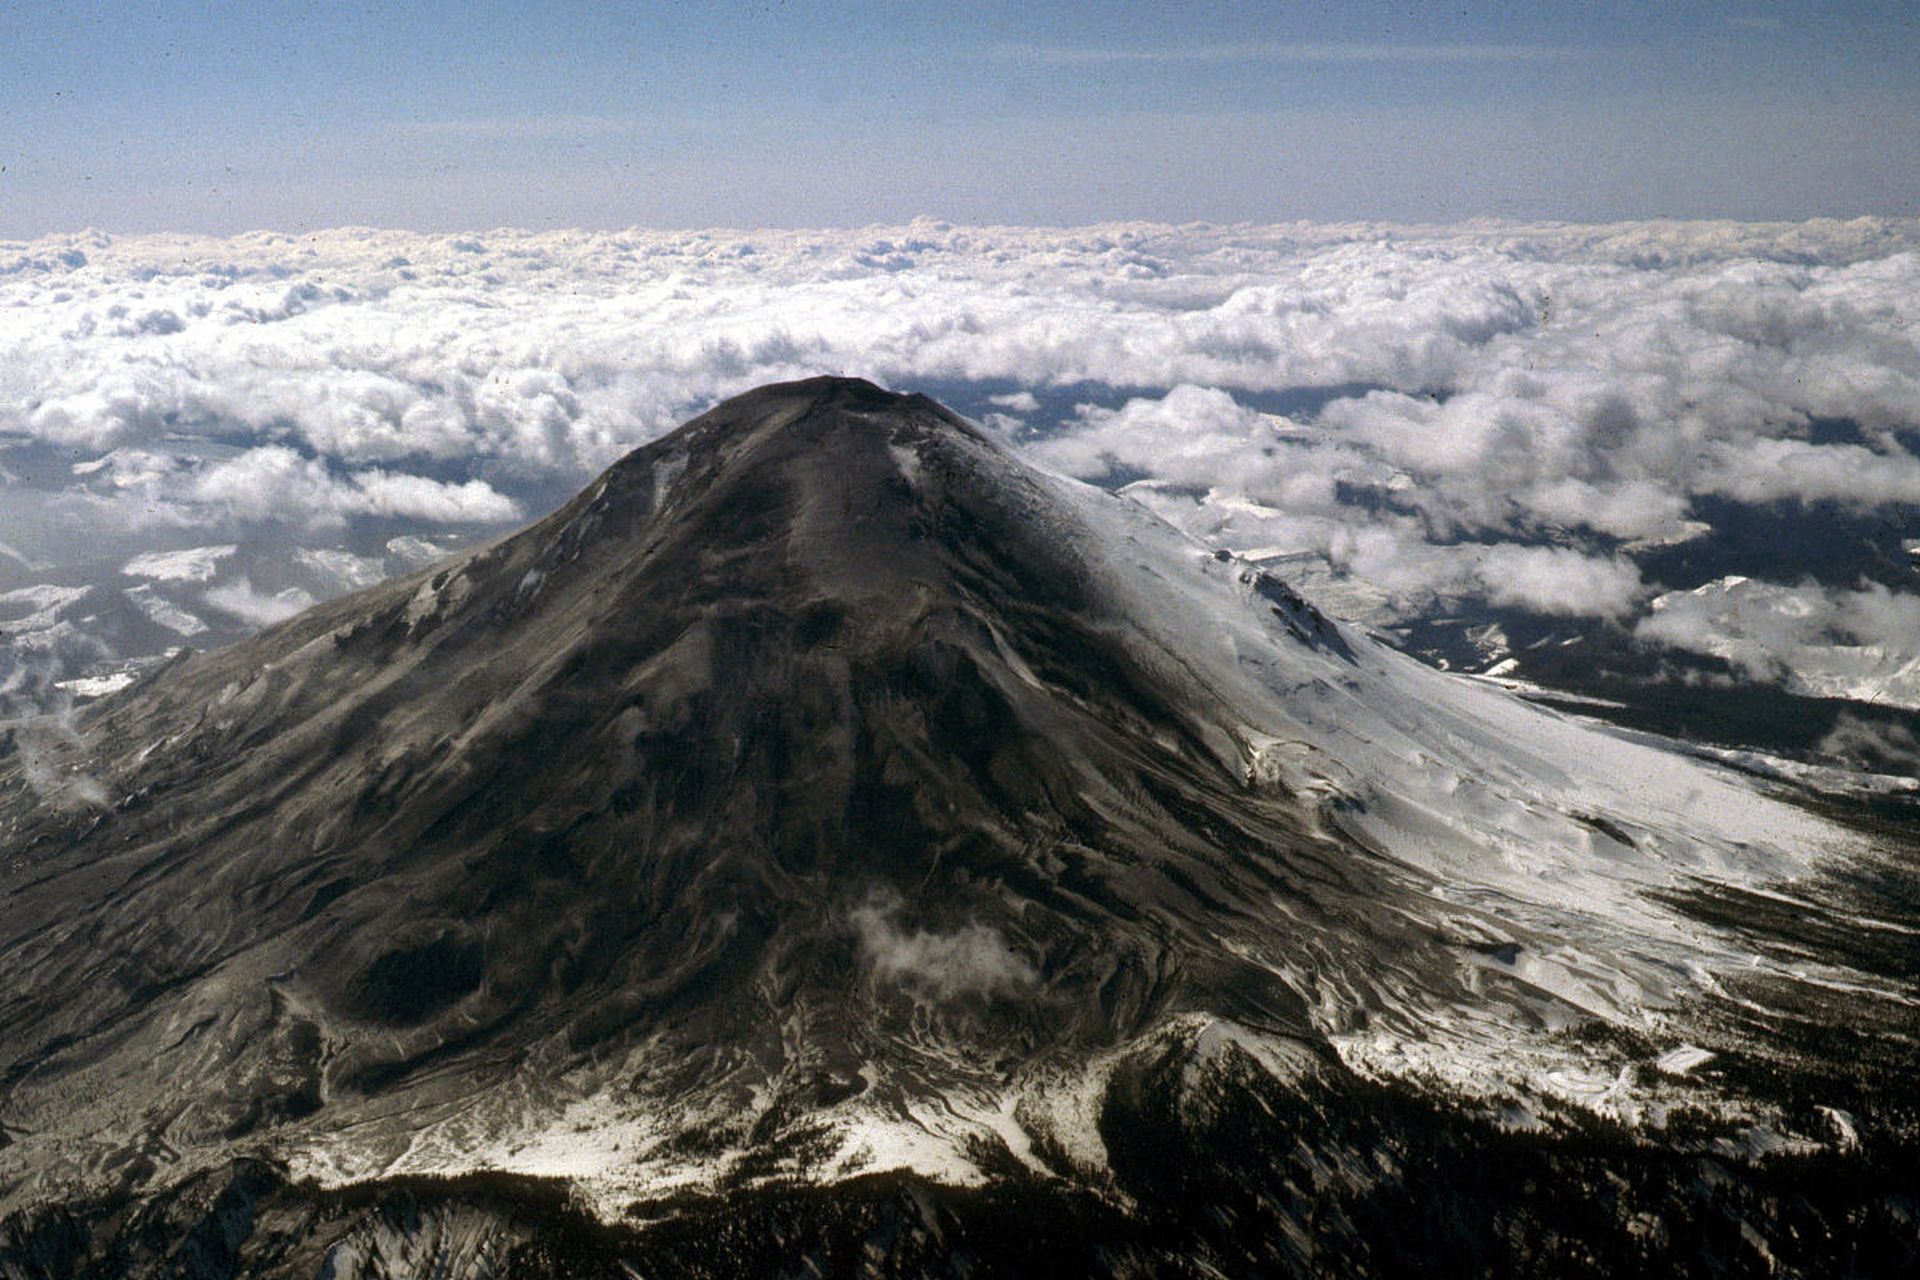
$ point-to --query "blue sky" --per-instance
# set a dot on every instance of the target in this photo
(216, 117)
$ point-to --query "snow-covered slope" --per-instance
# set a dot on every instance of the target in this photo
(1535, 834)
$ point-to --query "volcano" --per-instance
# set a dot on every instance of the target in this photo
(830, 845)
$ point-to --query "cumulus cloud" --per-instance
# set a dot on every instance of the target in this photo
(1793, 470)
(1189, 436)
(1559, 580)
(972, 960)
(1502, 410)
(274, 482)
(37, 729)
(238, 599)
(49, 752)
(1631, 510)
(1873, 745)
(1814, 639)
(558, 349)
(1263, 480)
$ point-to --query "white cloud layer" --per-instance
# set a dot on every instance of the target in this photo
(1502, 408)
(1610, 350)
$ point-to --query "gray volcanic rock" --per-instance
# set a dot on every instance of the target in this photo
(827, 821)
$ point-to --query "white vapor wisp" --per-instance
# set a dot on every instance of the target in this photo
(1490, 411)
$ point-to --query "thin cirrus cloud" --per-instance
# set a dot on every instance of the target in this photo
(526, 128)
(1501, 411)
(1280, 52)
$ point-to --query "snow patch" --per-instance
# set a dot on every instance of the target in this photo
(1679, 1061)
(97, 686)
(194, 564)
(164, 612)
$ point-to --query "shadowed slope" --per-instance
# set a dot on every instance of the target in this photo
(752, 725)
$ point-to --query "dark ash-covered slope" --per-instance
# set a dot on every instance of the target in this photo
(651, 766)
(822, 803)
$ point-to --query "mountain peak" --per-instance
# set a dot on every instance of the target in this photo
(824, 791)
(829, 389)
(789, 419)
(814, 400)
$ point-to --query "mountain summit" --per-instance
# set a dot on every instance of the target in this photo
(828, 820)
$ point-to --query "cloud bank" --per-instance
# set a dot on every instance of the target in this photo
(1498, 412)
